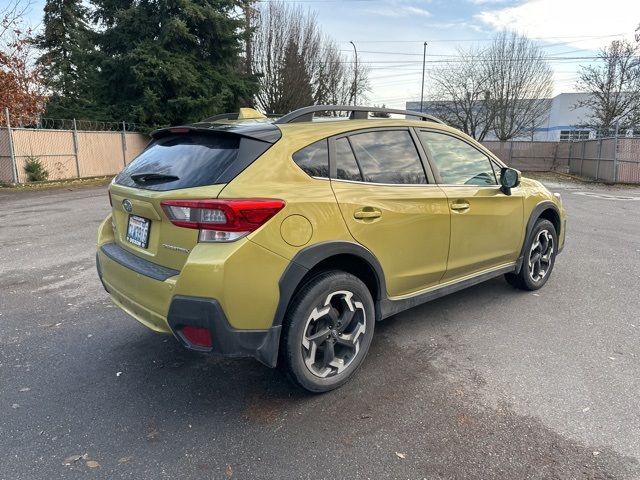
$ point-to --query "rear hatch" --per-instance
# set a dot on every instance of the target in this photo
(181, 163)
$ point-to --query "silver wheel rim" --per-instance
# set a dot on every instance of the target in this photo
(541, 255)
(332, 334)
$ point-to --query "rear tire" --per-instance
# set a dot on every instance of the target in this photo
(539, 257)
(327, 332)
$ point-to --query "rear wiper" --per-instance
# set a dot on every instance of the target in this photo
(153, 177)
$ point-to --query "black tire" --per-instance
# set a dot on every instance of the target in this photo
(535, 269)
(309, 317)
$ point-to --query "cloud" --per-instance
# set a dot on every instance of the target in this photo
(416, 11)
(485, 2)
(567, 18)
(398, 11)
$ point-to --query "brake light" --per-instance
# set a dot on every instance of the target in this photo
(221, 220)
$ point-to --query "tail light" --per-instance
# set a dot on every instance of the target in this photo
(221, 220)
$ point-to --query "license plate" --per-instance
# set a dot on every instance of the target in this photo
(138, 231)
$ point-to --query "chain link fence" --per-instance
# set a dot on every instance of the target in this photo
(66, 149)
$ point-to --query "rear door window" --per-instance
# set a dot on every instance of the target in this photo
(182, 161)
(346, 165)
(388, 156)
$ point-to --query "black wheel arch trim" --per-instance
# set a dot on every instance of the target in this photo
(307, 258)
(533, 218)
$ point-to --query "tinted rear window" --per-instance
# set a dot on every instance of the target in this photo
(195, 159)
(314, 159)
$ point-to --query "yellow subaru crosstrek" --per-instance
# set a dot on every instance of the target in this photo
(286, 240)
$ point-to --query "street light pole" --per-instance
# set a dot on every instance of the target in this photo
(355, 75)
(424, 61)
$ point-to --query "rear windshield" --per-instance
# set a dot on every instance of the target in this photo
(181, 161)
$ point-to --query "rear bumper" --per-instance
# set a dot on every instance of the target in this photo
(225, 340)
(146, 291)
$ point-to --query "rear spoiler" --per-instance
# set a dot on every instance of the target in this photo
(263, 132)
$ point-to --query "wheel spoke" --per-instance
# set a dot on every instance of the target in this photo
(345, 320)
(346, 340)
(319, 336)
(329, 354)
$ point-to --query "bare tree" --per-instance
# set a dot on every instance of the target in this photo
(461, 93)
(613, 84)
(520, 84)
(296, 64)
(11, 16)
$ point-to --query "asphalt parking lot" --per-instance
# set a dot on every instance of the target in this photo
(486, 383)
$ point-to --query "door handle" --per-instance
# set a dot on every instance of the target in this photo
(459, 205)
(367, 213)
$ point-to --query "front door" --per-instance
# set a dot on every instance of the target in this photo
(381, 187)
(486, 225)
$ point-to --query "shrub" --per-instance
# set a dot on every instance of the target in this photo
(35, 170)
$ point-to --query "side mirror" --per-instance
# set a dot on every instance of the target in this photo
(509, 178)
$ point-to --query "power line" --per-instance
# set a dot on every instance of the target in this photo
(466, 59)
(488, 39)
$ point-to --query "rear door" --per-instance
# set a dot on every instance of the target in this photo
(389, 206)
(486, 224)
(184, 165)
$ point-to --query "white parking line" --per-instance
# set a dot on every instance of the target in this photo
(606, 196)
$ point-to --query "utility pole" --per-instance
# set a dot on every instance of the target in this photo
(424, 61)
(355, 76)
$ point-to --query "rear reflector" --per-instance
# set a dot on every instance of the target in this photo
(221, 220)
(197, 336)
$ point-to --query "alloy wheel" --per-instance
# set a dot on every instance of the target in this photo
(332, 334)
(540, 255)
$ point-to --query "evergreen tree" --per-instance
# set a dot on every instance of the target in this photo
(65, 62)
(167, 62)
(296, 82)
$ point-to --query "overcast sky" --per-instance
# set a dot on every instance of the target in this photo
(389, 34)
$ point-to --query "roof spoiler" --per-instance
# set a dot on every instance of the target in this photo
(263, 132)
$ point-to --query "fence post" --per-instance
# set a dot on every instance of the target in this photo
(584, 145)
(124, 144)
(510, 151)
(615, 153)
(12, 153)
(599, 157)
(75, 146)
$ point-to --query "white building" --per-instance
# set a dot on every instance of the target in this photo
(561, 124)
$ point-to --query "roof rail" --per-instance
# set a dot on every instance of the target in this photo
(306, 114)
